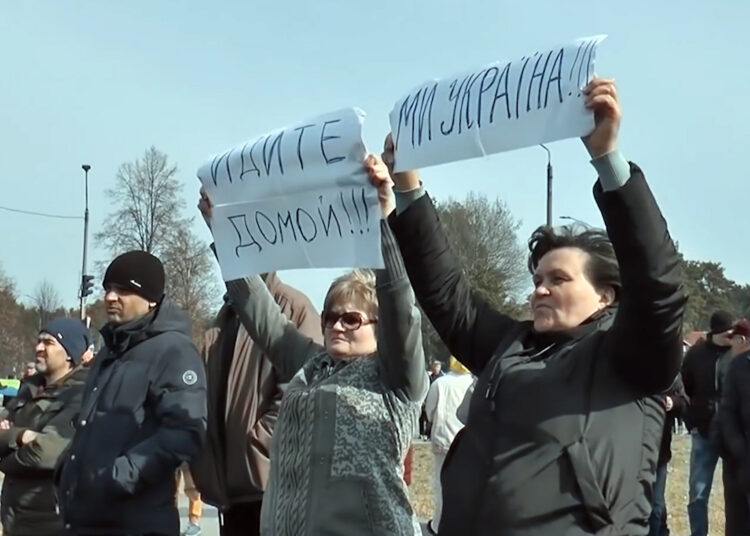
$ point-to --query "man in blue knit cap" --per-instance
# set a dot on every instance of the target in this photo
(38, 425)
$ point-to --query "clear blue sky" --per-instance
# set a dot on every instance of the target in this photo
(98, 82)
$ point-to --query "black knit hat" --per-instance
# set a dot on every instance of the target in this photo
(71, 334)
(139, 272)
(721, 321)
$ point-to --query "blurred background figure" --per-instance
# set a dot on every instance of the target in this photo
(443, 399)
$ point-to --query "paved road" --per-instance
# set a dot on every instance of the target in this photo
(210, 521)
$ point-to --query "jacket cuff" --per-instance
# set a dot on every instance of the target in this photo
(404, 198)
(394, 264)
(613, 170)
(240, 290)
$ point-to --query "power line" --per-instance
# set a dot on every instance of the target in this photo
(31, 213)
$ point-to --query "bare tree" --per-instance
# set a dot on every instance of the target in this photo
(149, 206)
(190, 283)
(14, 341)
(148, 216)
(483, 236)
(47, 300)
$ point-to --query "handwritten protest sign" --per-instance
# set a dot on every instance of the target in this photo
(297, 197)
(502, 106)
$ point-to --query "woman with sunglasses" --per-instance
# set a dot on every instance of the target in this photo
(351, 407)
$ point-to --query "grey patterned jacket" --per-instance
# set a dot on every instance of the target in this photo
(344, 426)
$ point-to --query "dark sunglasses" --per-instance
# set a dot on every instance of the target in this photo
(350, 321)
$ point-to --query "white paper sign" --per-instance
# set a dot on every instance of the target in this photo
(502, 106)
(297, 197)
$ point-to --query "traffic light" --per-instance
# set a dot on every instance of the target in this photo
(86, 285)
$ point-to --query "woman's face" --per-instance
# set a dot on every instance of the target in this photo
(348, 331)
(563, 296)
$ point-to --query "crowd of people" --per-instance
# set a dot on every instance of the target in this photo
(294, 423)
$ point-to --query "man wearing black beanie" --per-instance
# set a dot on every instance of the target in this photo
(37, 426)
(143, 412)
(701, 386)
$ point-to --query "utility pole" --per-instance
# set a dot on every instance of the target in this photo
(85, 279)
(549, 185)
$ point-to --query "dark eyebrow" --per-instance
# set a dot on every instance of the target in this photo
(559, 271)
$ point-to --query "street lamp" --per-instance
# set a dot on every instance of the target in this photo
(549, 185)
(84, 277)
(571, 218)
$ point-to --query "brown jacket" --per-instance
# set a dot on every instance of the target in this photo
(243, 401)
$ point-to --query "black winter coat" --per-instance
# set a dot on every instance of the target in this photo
(143, 414)
(679, 405)
(564, 430)
(734, 413)
(699, 376)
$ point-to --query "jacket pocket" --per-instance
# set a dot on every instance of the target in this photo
(592, 497)
(343, 510)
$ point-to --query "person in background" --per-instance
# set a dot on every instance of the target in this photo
(732, 424)
(29, 370)
(675, 402)
(701, 387)
(88, 355)
(195, 505)
(37, 427)
(443, 400)
(21, 389)
(436, 370)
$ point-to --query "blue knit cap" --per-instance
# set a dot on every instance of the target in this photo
(71, 334)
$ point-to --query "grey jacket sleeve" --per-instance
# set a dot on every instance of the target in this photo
(280, 340)
(399, 325)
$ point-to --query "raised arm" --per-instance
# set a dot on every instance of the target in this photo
(399, 329)
(467, 324)
(277, 337)
(645, 339)
(280, 340)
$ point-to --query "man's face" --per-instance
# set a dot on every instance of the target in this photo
(123, 305)
(88, 355)
(435, 368)
(30, 370)
(51, 357)
(722, 339)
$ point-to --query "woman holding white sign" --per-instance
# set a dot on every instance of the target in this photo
(350, 410)
(563, 432)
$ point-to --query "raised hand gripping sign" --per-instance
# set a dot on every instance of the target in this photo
(502, 106)
(297, 197)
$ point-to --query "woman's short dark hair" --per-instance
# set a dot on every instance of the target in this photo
(601, 269)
